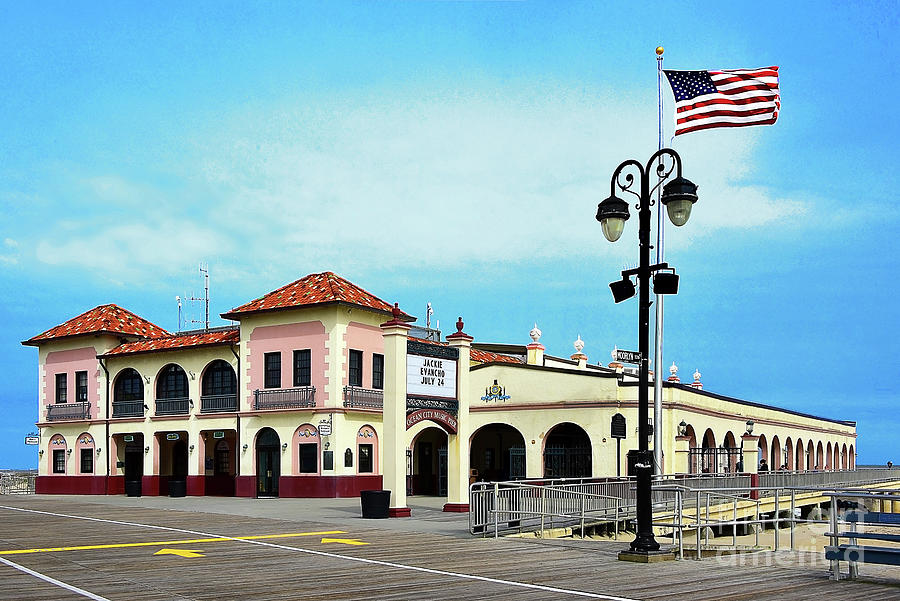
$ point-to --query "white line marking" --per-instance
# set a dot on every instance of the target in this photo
(400, 566)
(58, 583)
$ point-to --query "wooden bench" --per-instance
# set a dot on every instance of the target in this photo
(853, 552)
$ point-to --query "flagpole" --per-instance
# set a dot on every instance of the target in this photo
(660, 240)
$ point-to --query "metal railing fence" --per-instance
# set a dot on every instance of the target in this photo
(61, 411)
(17, 484)
(285, 398)
(177, 406)
(366, 398)
(217, 403)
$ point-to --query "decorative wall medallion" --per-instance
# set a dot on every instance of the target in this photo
(495, 392)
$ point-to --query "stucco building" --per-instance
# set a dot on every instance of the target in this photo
(323, 389)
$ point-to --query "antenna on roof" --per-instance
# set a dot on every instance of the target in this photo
(205, 271)
(178, 300)
(428, 313)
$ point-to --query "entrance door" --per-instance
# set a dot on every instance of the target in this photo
(268, 463)
(134, 467)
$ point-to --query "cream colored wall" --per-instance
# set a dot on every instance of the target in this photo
(70, 432)
(542, 399)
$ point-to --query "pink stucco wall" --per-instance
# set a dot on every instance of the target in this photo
(369, 340)
(69, 362)
(286, 339)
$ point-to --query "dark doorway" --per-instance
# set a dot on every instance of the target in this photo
(268, 463)
(134, 466)
(497, 454)
(567, 452)
(430, 463)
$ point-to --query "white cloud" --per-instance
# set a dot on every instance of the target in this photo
(9, 242)
(407, 180)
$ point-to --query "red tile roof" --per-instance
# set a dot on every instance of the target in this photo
(106, 319)
(314, 289)
(178, 341)
(476, 354)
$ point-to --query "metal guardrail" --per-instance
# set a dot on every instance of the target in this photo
(366, 398)
(285, 398)
(180, 406)
(530, 504)
(218, 403)
(128, 408)
(62, 411)
(17, 484)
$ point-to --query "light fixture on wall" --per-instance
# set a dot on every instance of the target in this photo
(245, 448)
(146, 449)
(191, 449)
(98, 451)
(41, 453)
(283, 447)
(749, 426)
(327, 444)
(68, 451)
(682, 428)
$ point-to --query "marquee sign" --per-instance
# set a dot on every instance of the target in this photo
(430, 376)
(436, 415)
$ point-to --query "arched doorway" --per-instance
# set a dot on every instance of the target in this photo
(708, 446)
(567, 452)
(729, 459)
(789, 453)
(497, 453)
(428, 462)
(776, 460)
(268, 463)
(799, 458)
(828, 465)
(851, 459)
(762, 452)
(810, 456)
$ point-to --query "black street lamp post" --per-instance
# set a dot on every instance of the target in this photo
(678, 196)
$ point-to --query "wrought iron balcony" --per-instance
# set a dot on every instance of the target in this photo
(180, 406)
(285, 398)
(218, 403)
(366, 398)
(63, 411)
(128, 408)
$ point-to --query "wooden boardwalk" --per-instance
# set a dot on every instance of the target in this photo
(117, 559)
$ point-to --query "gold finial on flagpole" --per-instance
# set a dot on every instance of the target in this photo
(660, 50)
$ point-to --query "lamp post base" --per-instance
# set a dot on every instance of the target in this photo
(647, 556)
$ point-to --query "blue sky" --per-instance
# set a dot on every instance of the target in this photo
(454, 153)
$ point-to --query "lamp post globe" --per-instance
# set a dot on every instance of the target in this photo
(612, 214)
(679, 196)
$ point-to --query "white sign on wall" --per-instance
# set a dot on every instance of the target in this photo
(430, 376)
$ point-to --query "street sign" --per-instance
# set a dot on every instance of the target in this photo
(628, 356)
(325, 429)
(172, 436)
(31, 440)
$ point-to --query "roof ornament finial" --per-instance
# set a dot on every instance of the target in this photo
(697, 383)
(535, 333)
(673, 370)
(396, 312)
(459, 325)
(578, 344)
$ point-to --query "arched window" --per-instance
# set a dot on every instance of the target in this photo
(219, 379)
(58, 454)
(172, 383)
(129, 386)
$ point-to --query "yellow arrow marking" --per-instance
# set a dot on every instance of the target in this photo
(192, 541)
(180, 552)
(345, 541)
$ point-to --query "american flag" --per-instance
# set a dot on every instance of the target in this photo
(726, 98)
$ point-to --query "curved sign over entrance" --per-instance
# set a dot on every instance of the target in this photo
(442, 418)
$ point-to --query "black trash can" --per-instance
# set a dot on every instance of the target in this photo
(375, 503)
(177, 488)
(133, 488)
